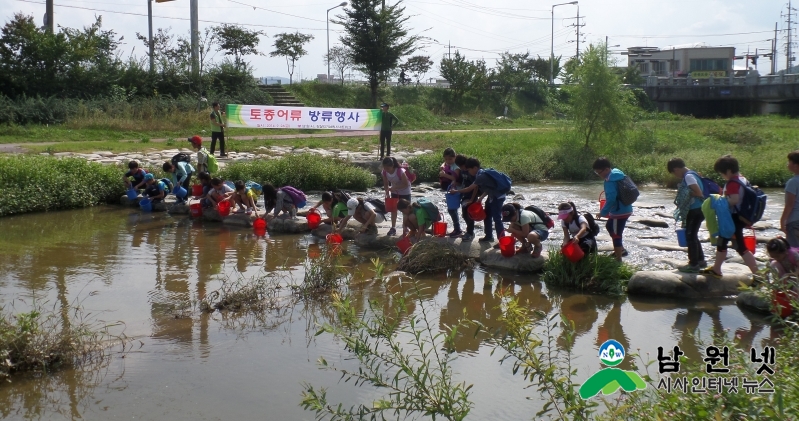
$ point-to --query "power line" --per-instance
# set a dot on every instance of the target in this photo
(689, 35)
(176, 18)
(273, 11)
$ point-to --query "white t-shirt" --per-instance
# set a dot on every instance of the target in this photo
(574, 226)
(395, 179)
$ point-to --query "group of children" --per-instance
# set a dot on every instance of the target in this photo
(465, 176)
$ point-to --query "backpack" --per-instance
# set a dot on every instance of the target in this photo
(752, 205)
(211, 163)
(167, 184)
(255, 187)
(708, 186)
(431, 209)
(627, 191)
(593, 227)
(541, 214)
(503, 181)
(379, 205)
(181, 157)
(408, 173)
(297, 196)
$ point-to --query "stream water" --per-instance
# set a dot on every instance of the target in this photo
(120, 264)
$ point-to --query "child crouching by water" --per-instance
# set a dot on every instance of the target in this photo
(245, 197)
(526, 227)
(576, 228)
(415, 219)
(219, 192)
(784, 259)
(364, 213)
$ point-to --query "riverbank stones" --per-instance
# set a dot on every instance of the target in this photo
(521, 262)
(751, 300)
(672, 283)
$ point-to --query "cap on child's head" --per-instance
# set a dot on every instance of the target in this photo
(196, 141)
(508, 211)
(148, 177)
(352, 205)
(384, 105)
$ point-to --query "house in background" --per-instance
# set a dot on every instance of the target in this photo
(697, 59)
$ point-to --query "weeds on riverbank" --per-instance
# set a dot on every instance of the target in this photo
(430, 255)
(44, 339)
(256, 294)
(323, 275)
(416, 373)
(305, 172)
(40, 183)
(596, 273)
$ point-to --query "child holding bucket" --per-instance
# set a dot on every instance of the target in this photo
(466, 199)
(415, 219)
(205, 181)
(784, 259)
(155, 189)
(181, 175)
(396, 185)
(526, 227)
(575, 228)
(364, 213)
(493, 206)
(277, 201)
(449, 177)
(244, 197)
(220, 192)
(617, 212)
(690, 196)
(137, 174)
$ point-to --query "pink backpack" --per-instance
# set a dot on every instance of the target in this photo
(296, 195)
(407, 170)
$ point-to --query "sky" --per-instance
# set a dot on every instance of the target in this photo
(480, 29)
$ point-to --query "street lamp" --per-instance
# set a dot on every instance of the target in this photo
(552, 48)
(343, 4)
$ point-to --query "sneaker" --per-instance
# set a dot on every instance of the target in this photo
(690, 269)
(467, 237)
(624, 253)
(391, 232)
(223, 155)
(703, 264)
(486, 239)
(455, 234)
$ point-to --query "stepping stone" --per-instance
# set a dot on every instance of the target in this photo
(656, 223)
(664, 246)
(522, 262)
(676, 284)
(753, 301)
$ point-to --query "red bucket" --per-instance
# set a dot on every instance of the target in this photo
(391, 204)
(404, 245)
(507, 245)
(197, 190)
(782, 303)
(224, 208)
(334, 238)
(259, 224)
(196, 210)
(476, 211)
(750, 241)
(439, 229)
(313, 218)
(573, 252)
(601, 201)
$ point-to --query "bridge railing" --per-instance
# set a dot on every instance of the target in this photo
(751, 79)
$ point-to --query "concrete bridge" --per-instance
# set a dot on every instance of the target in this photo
(725, 97)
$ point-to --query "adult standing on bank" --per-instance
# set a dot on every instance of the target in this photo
(218, 129)
(387, 123)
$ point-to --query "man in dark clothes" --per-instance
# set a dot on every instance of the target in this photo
(388, 122)
(217, 130)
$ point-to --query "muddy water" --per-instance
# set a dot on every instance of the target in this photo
(118, 264)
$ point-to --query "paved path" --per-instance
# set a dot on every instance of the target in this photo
(21, 147)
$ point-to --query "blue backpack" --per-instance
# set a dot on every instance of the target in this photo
(752, 204)
(708, 186)
(503, 181)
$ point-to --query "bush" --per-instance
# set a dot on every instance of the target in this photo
(39, 183)
(305, 172)
(426, 166)
(594, 273)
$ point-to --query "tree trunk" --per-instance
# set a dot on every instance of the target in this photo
(374, 82)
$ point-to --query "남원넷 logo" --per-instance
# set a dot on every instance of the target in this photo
(610, 379)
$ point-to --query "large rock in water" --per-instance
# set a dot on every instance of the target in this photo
(754, 301)
(665, 283)
(287, 225)
(521, 262)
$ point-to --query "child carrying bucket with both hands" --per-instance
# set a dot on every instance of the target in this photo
(396, 185)
(450, 176)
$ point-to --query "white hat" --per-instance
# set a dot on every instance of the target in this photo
(352, 204)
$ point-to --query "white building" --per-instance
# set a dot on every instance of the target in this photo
(697, 59)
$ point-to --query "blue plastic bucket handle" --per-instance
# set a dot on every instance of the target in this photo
(453, 201)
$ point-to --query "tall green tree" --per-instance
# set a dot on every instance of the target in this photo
(460, 74)
(377, 35)
(514, 72)
(601, 107)
(292, 47)
(418, 66)
(237, 41)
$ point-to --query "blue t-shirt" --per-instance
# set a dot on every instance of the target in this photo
(792, 186)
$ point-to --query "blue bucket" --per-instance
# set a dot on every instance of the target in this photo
(682, 239)
(453, 201)
(146, 205)
(180, 192)
(132, 194)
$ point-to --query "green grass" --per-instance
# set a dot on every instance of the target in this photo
(595, 273)
(305, 172)
(37, 183)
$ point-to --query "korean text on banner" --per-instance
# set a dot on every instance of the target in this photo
(273, 117)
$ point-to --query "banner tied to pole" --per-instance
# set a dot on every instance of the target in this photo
(274, 117)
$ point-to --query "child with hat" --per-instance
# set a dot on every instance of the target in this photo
(202, 153)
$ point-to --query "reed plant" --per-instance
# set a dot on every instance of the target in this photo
(595, 273)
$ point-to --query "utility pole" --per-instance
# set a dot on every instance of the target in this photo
(150, 43)
(195, 37)
(450, 50)
(774, 52)
(578, 33)
(789, 36)
(49, 17)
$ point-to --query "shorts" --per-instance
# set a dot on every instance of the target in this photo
(542, 234)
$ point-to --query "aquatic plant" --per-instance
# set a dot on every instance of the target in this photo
(43, 339)
(594, 273)
(43, 183)
(257, 293)
(322, 275)
(416, 373)
(430, 255)
(305, 172)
